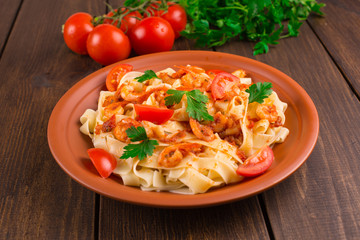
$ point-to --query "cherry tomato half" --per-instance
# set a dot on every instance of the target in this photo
(222, 83)
(76, 31)
(104, 162)
(257, 163)
(107, 44)
(153, 114)
(127, 23)
(114, 76)
(152, 34)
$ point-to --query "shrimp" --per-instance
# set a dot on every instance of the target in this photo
(266, 111)
(113, 108)
(128, 93)
(201, 131)
(166, 78)
(171, 156)
(220, 122)
(193, 77)
(121, 127)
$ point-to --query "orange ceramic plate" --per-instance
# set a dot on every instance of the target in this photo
(68, 145)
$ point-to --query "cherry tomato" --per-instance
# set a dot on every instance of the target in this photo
(257, 163)
(153, 114)
(152, 34)
(76, 31)
(107, 44)
(222, 83)
(104, 162)
(176, 16)
(114, 76)
(127, 23)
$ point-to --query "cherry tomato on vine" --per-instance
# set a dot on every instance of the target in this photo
(107, 44)
(115, 74)
(152, 34)
(222, 83)
(257, 163)
(175, 15)
(127, 23)
(104, 162)
(76, 30)
(153, 114)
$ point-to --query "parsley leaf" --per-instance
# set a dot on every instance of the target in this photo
(196, 103)
(259, 91)
(174, 98)
(141, 150)
(148, 74)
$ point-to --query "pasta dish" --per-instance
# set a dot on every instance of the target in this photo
(184, 129)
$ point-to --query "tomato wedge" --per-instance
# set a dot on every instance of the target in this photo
(153, 114)
(104, 162)
(257, 163)
(115, 75)
(222, 83)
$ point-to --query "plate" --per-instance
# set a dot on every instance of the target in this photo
(68, 145)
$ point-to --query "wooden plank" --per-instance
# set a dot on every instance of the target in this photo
(8, 12)
(37, 199)
(322, 198)
(240, 220)
(339, 32)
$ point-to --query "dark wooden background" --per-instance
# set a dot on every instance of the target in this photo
(39, 201)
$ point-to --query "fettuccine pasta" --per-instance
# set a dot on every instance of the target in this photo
(192, 156)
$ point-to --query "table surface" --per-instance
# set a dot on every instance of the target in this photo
(38, 200)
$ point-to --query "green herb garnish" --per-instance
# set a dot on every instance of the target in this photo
(196, 103)
(259, 91)
(141, 150)
(148, 74)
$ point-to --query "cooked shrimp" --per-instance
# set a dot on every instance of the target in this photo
(201, 131)
(166, 78)
(113, 108)
(128, 93)
(109, 100)
(266, 111)
(121, 127)
(220, 122)
(171, 156)
(193, 77)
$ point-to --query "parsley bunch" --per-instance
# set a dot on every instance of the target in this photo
(214, 22)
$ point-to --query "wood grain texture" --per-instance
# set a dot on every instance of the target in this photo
(240, 220)
(340, 34)
(322, 198)
(37, 199)
(8, 12)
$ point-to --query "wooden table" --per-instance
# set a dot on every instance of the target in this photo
(321, 200)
